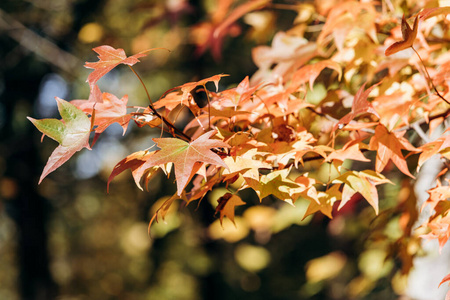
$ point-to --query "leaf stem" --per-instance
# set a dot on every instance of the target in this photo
(174, 131)
(143, 84)
(429, 77)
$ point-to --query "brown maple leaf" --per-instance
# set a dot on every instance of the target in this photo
(409, 35)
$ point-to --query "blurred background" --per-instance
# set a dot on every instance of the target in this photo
(67, 238)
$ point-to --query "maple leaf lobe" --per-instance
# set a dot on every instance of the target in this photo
(184, 155)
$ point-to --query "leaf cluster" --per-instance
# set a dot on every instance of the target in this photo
(355, 97)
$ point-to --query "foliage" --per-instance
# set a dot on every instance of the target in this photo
(354, 96)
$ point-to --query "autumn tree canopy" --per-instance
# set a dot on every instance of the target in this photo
(341, 108)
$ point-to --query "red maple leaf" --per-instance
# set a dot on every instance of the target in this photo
(134, 162)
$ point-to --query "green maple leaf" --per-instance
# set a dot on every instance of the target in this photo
(72, 134)
(184, 155)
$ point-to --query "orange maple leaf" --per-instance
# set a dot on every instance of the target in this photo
(351, 150)
(311, 72)
(324, 201)
(440, 230)
(437, 194)
(360, 106)
(409, 35)
(363, 182)
(134, 162)
(108, 109)
(389, 147)
(170, 99)
(109, 58)
(226, 206)
(184, 155)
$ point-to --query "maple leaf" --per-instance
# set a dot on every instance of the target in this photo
(351, 150)
(324, 202)
(363, 182)
(393, 107)
(388, 147)
(409, 35)
(170, 100)
(184, 155)
(162, 210)
(72, 134)
(226, 206)
(236, 96)
(360, 106)
(244, 164)
(109, 58)
(134, 162)
(440, 228)
(433, 147)
(275, 183)
(437, 194)
(108, 109)
(310, 73)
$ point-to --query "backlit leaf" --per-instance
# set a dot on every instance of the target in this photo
(109, 58)
(184, 155)
(226, 206)
(360, 106)
(72, 134)
(389, 148)
(108, 110)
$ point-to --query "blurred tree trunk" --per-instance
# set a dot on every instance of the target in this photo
(26, 207)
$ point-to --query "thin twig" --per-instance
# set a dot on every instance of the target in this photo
(174, 130)
(429, 77)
